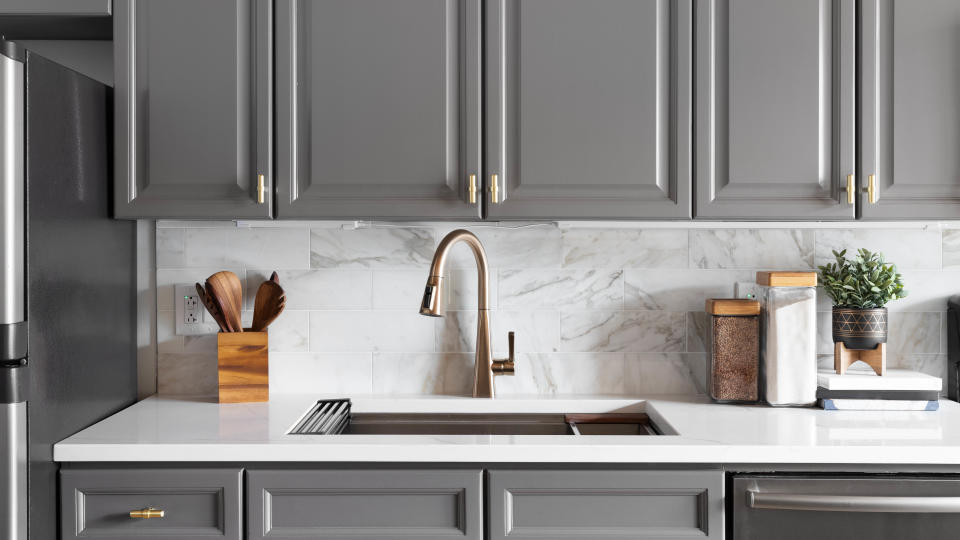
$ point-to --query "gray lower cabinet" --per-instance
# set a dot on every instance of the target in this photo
(775, 108)
(588, 109)
(378, 109)
(196, 503)
(591, 505)
(194, 83)
(364, 504)
(910, 120)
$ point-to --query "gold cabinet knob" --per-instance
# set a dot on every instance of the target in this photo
(494, 189)
(261, 198)
(147, 513)
(850, 189)
(472, 188)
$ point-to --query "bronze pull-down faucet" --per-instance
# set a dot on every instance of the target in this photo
(432, 305)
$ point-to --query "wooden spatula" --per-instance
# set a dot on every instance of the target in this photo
(268, 305)
(227, 292)
(212, 308)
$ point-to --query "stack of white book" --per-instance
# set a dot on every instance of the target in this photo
(864, 390)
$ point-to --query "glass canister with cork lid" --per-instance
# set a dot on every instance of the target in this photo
(734, 349)
(788, 303)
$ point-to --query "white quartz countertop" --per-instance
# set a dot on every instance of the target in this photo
(166, 429)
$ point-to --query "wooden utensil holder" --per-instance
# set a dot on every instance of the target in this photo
(875, 358)
(243, 367)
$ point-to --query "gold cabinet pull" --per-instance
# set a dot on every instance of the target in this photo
(260, 196)
(850, 189)
(472, 189)
(872, 189)
(147, 513)
(494, 189)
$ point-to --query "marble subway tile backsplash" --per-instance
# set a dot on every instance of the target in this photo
(614, 311)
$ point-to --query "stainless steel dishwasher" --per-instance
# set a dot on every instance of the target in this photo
(878, 507)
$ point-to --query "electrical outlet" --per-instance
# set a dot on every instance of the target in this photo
(191, 317)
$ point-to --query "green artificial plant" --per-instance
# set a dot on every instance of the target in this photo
(862, 282)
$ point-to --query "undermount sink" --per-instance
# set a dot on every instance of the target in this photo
(326, 418)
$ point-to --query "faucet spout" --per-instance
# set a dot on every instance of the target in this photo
(432, 305)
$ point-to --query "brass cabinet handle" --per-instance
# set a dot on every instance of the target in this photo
(850, 189)
(872, 188)
(147, 513)
(472, 189)
(260, 196)
(494, 189)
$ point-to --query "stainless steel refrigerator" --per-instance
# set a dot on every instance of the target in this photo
(67, 280)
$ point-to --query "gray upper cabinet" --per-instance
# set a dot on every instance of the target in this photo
(775, 108)
(588, 109)
(910, 119)
(193, 108)
(378, 108)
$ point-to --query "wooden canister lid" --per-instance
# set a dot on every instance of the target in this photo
(787, 279)
(732, 306)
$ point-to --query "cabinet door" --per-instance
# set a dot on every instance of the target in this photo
(910, 120)
(364, 504)
(591, 505)
(96, 504)
(193, 101)
(774, 108)
(588, 109)
(378, 105)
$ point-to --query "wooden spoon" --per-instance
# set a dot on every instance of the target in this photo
(268, 305)
(212, 307)
(227, 291)
(275, 277)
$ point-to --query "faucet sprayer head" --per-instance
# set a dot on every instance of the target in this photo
(432, 303)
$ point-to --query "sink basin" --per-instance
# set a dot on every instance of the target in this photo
(335, 418)
(457, 424)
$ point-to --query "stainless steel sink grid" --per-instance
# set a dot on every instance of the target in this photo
(326, 417)
(333, 417)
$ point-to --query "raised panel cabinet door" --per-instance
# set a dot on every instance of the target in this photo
(378, 108)
(588, 109)
(910, 110)
(193, 108)
(364, 504)
(775, 109)
(196, 504)
(595, 505)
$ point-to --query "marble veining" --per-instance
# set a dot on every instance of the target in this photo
(626, 331)
(371, 248)
(913, 249)
(771, 249)
(615, 311)
(565, 289)
(625, 248)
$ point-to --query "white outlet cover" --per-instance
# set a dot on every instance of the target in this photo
(205, 324)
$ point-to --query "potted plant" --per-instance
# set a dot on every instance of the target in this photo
(860, 287)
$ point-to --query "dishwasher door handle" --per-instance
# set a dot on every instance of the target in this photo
(852, 503)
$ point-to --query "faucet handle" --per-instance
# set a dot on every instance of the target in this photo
(507, 366)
